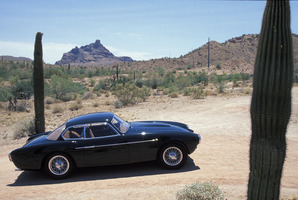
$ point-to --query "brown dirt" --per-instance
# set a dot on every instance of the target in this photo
(222, 156)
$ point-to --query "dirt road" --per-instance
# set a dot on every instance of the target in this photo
(222, 157)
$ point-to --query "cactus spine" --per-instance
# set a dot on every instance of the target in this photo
(38, 85)
(271, 101)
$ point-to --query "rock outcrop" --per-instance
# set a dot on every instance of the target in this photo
(92, 54)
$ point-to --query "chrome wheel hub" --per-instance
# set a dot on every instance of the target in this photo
(58, 165)
(172, 156)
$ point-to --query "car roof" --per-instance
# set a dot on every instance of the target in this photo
(90, 118)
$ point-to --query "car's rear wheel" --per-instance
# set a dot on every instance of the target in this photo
(172, 156)
(59, 165)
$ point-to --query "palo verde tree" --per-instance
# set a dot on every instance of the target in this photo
(38, 85)
(271, 101)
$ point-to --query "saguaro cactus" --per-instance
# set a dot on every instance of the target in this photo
(271, 101)
(38, 84)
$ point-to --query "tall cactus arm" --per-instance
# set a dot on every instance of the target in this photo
(38, 85)
(271, 101)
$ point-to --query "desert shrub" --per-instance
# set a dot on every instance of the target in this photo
(96, 104)
(75, 106)
(22, 89)
(23, 106)
(198, 93)
(2, 96)
(107, 93)
(139, 83)
(130, 93)
(187, 91)
(245, 76)
(118, 104)
(67, 97)
(174, 95)
(182, 82)
(200, 191)
(49, 100)
(47, 106)
(92, 82)
(101, 85)
(166, 91)
(153, 81)
(126, 93)
(57, 109)
(195, 78)
(219, 82)
(24, 128)
(50, 71)
(168, 80)
(18, 90)
(88, 95)
(143, 93)
(64, 89)
(247, 90)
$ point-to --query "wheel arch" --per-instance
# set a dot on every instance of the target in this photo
(172, 142)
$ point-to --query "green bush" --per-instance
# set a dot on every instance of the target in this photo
(102, 85)
(198, 93)
(219, 81)
(64, 89)
(130, 94)
(182, 82)
(153, 81)
(143, 93)
(92, 82)
(187, 91)
(200, 191)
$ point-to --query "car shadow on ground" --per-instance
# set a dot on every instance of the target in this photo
(30, 178)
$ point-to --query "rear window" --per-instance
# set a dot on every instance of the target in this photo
(56, 133)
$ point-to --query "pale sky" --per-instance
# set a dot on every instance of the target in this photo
(140, 29)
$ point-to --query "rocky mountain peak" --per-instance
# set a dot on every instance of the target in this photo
(92, 54)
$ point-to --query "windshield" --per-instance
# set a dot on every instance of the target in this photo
(56, 133)
(120, 124)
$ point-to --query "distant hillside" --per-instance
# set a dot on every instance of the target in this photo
(235, 55)
(91, 55)
(11, 58)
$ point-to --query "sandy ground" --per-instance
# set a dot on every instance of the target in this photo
(222, 156)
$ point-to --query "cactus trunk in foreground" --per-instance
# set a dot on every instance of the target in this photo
(271, 102)
(38, 85)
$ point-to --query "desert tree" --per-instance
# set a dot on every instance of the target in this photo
(271, 102)
(38, 85)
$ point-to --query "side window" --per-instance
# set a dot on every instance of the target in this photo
(74, 132)
(99, 130)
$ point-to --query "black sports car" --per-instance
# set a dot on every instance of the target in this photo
(105, 139)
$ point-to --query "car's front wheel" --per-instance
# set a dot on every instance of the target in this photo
(59, 165)
(172, 156)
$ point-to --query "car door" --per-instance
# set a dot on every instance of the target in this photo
(103, 145)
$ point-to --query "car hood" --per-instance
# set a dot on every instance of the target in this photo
(157, 126)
